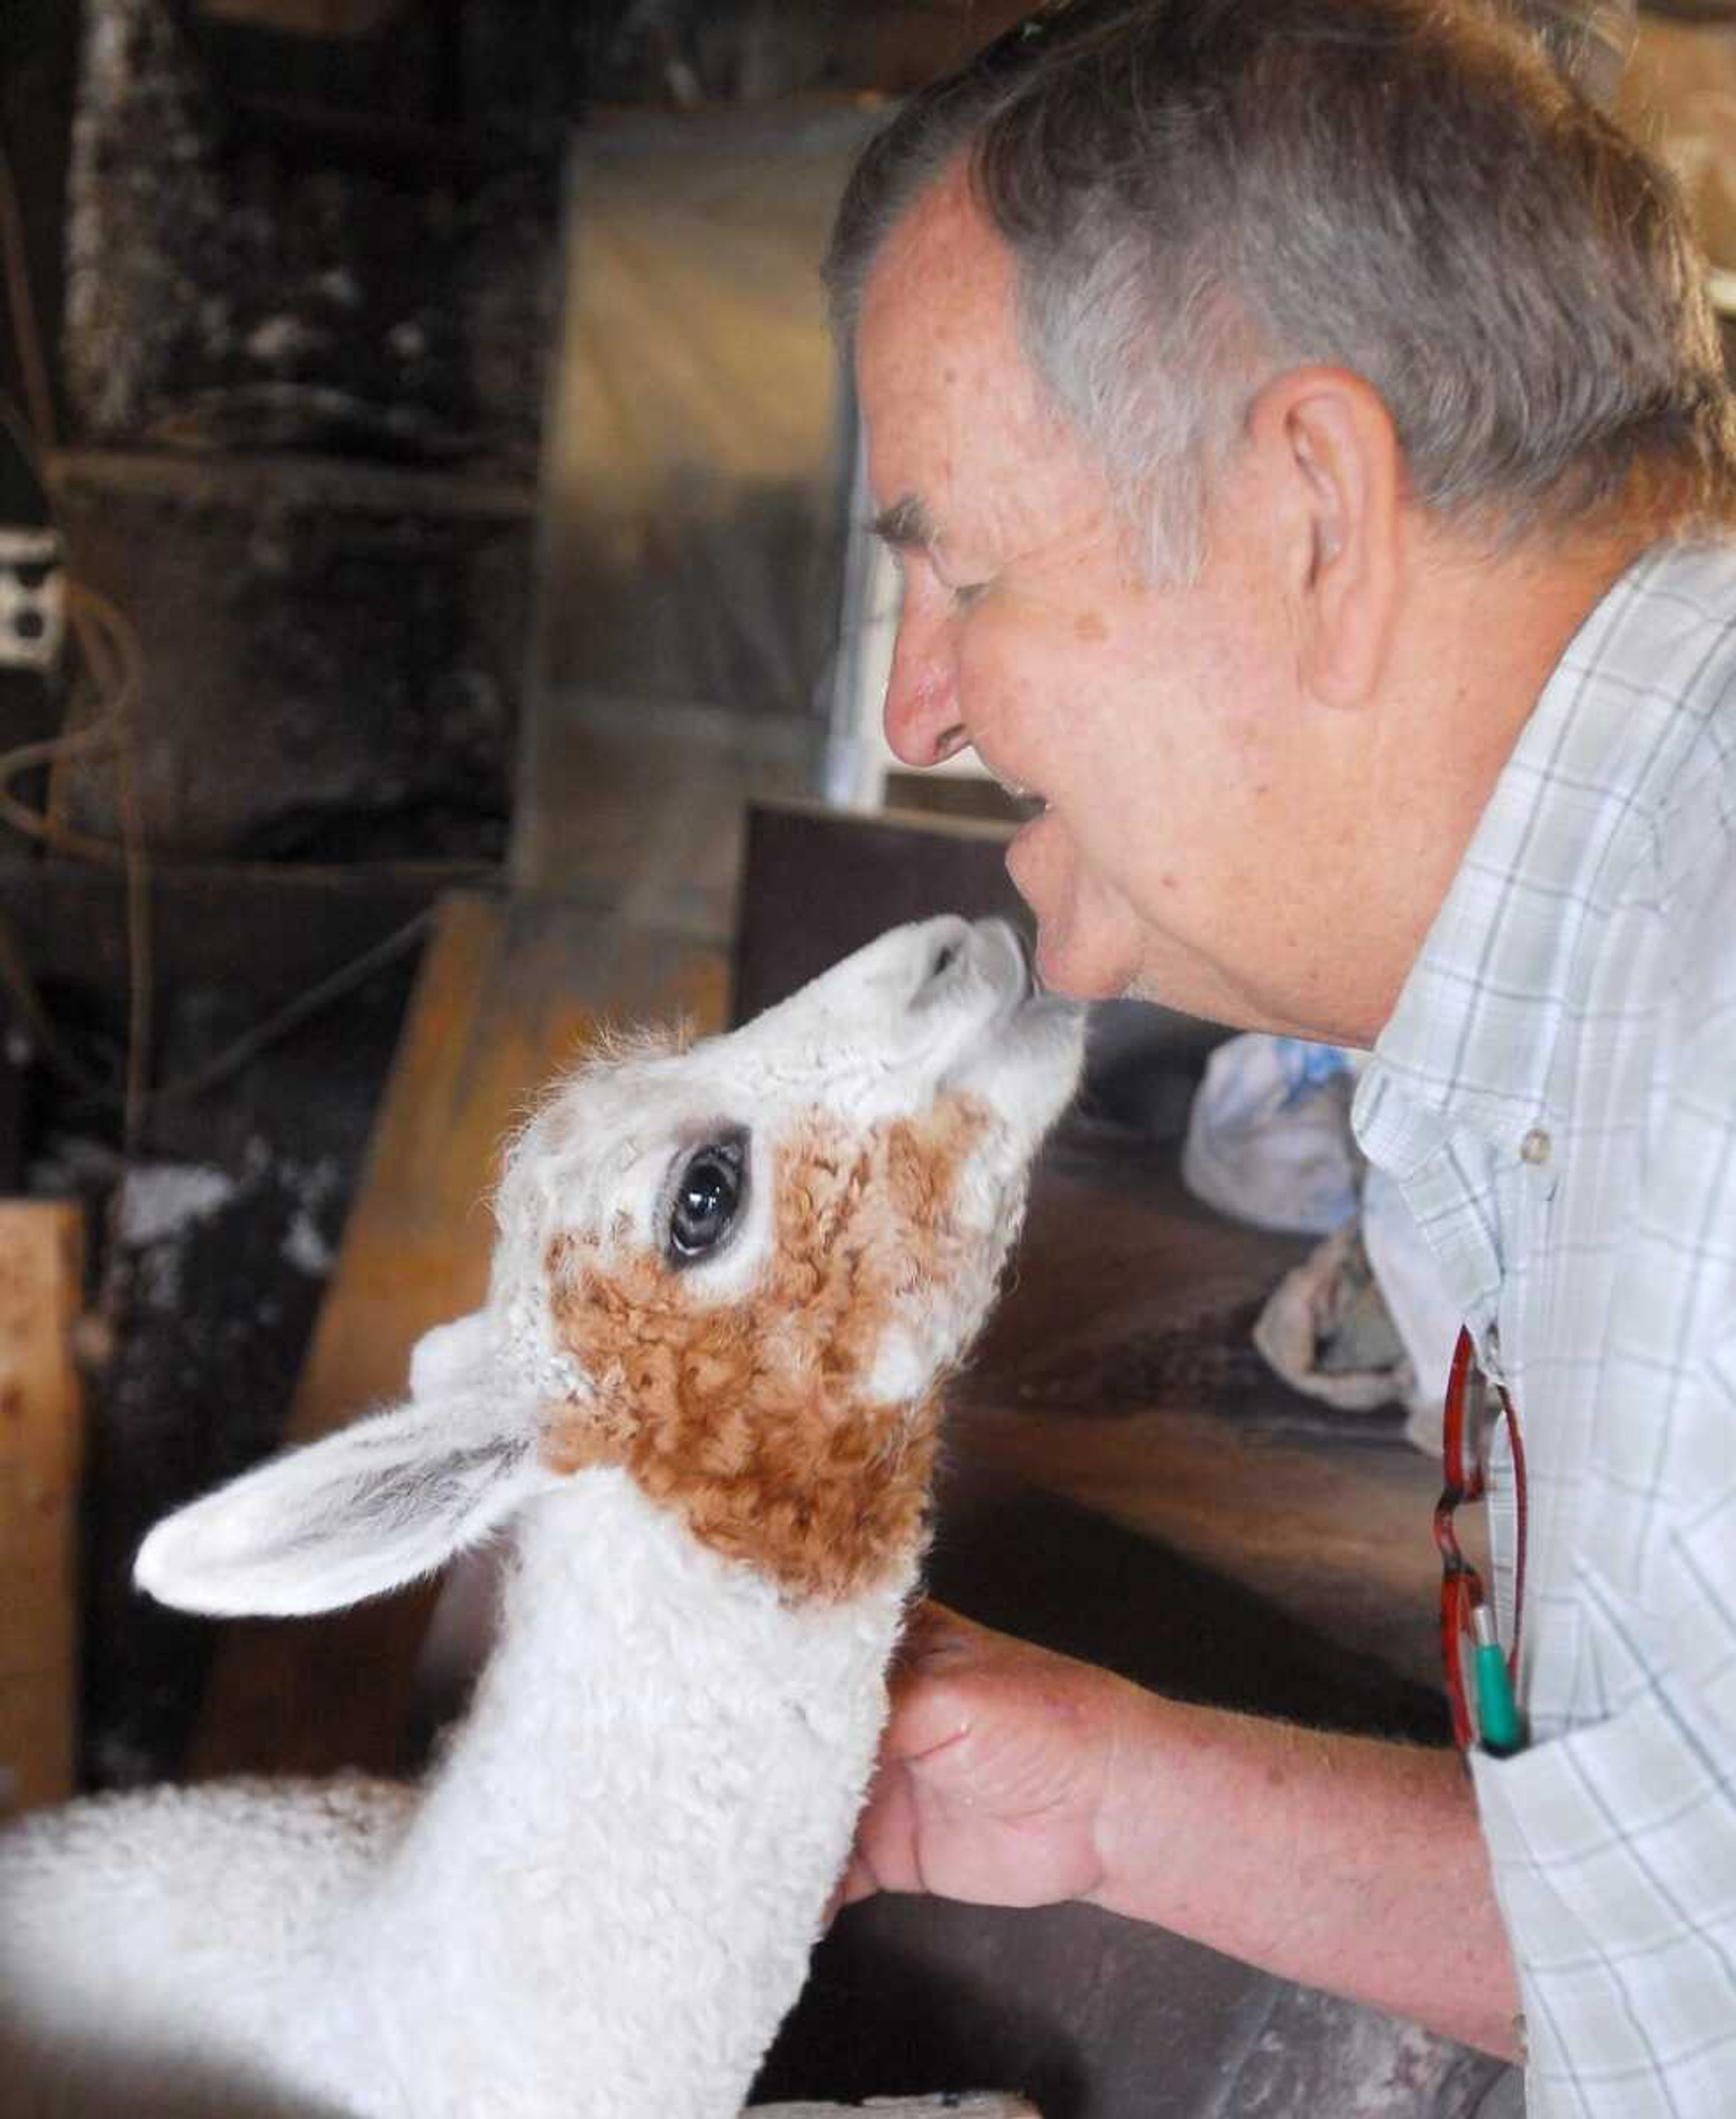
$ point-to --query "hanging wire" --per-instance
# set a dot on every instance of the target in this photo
(113, 666)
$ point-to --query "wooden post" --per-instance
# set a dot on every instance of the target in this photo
(41, 1449)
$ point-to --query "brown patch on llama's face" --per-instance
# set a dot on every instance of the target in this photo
(752, 1417)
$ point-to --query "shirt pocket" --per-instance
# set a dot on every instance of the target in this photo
(1621, 1649)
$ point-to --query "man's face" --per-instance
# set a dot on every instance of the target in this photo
(1186, 779)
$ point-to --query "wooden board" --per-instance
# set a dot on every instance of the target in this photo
(41, 1263)
(981, 2106)
(512, 990)
(308, 18)
(817, 883)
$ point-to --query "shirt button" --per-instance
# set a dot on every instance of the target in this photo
(1535, 1148)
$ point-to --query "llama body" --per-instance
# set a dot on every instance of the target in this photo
(118, 1910)
(714, 1460)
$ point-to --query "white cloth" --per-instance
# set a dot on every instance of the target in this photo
(1269, 1134)
(1556, 1094)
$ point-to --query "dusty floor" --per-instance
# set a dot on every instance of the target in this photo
(1120, 1373)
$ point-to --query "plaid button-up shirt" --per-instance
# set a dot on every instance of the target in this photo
(1556, 1094)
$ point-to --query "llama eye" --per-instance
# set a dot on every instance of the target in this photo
(708, 1198)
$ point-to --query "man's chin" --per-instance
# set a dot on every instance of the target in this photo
(1087, 942)
(1065, 966)
(1154, 991)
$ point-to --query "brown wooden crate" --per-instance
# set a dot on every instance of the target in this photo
(817, 883)
(512, 990)
(41, 1263)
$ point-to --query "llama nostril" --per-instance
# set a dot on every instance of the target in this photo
(943, 960)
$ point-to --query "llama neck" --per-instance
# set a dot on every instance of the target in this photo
(628, 1848)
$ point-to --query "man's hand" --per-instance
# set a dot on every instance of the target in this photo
(1011, 1776)
(995, 1770)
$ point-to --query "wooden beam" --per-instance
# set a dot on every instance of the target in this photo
(308, 18)
(41, 1450)
(268, 478)
(511, 991)
(981, 2105)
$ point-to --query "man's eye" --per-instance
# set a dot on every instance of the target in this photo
(968, 593)
(708, 1200)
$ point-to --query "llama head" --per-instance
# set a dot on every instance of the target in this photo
(736, 1270)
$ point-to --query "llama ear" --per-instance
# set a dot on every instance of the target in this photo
(365, 1511)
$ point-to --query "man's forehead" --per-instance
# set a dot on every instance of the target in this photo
(938, 365)
(970, 463)
(942, 274)
(942, 224)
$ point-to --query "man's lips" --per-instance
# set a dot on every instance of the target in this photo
(1028, 802)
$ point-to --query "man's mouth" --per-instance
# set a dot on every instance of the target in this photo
(1025, 800)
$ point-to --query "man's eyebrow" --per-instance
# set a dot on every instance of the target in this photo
(905, 526)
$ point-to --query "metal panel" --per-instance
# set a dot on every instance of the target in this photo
(694, 495)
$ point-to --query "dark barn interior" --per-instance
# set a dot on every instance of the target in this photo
(429, 637)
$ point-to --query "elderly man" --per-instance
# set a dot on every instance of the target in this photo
(1306, 445)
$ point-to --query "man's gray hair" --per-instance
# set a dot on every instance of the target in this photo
(1199, 194)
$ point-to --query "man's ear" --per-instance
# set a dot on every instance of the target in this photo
(1327, 438)
(383, 1502)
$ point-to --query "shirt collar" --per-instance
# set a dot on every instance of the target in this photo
(1471, 1042)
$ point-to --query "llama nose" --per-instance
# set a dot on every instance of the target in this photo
(1004, 956)
(944, 945)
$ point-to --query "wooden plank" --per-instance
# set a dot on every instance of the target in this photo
(339, 484)
(512, 990)
(982, 2105)
(41, 1264)
(69, 925)
(308, 18)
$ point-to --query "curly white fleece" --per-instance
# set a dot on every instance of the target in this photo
(661, 1748)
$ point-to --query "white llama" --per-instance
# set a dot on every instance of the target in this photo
(728, 1283)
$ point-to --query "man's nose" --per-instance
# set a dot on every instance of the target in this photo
(923, 716)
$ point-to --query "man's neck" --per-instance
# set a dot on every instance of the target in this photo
(1481, 639)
